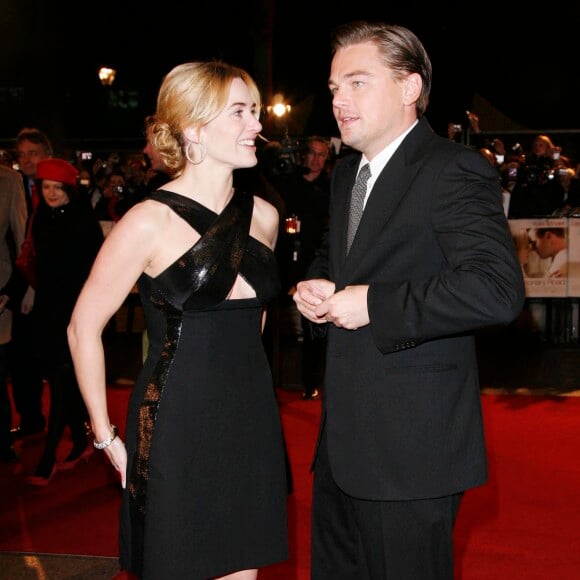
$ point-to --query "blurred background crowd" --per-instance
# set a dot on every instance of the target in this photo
(538, 181)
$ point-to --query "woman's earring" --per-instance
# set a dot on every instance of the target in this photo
(188, 154)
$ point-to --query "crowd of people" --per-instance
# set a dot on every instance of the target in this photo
(541, 181)
(65, 206)
(213, 227)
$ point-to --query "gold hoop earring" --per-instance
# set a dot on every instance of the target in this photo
(203, 152)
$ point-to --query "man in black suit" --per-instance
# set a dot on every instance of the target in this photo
(432, 260)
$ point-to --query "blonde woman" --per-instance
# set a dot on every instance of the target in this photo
(202, 466)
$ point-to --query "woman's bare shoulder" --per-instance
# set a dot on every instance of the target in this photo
(265, 222)
(265, 209)
(145, 215)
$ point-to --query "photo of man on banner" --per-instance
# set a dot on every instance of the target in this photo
(551, 245)
(542, 247)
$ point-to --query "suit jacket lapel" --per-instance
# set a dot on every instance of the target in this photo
(390, 186)
(340, 207)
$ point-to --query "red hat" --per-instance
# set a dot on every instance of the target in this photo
(57, 170)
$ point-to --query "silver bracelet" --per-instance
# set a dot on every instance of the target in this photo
(106, 442)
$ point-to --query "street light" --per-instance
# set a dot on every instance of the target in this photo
(280, 110)
(107, 75)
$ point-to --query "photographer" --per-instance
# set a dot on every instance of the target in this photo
(110, 206)
(301, 176)
(537, 193)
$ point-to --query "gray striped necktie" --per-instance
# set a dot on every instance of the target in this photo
(357, 198)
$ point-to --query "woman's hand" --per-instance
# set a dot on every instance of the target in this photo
(117, 455)
(309, 294)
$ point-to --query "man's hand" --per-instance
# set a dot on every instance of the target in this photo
(346, 309)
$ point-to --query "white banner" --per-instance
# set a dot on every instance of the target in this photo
(545, 247)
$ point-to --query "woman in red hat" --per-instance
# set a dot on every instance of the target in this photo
(67, 237)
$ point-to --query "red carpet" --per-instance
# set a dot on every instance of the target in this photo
(523, 525)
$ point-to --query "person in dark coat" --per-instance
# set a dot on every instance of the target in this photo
(67, 237)
(305, 190)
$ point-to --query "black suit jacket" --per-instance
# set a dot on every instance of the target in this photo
(402, 406)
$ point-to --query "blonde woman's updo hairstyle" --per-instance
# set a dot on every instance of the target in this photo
(191, 95)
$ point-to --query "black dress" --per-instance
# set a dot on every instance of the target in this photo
(206, 487)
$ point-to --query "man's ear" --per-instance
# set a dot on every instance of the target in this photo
(412, 88)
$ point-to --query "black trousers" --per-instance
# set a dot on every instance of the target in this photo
(26, 376)
(312, 358)
(358, 539)
(67, 408)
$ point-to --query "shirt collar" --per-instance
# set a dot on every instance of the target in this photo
(382, 158)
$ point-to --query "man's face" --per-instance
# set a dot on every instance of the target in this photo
(29, 154)
(315, 157)
(541, 245)
(371, 107)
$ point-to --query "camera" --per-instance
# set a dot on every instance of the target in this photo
(284, 160)
(119, 189)
(458, 128)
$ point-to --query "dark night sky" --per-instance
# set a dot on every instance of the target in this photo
(524, 63)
